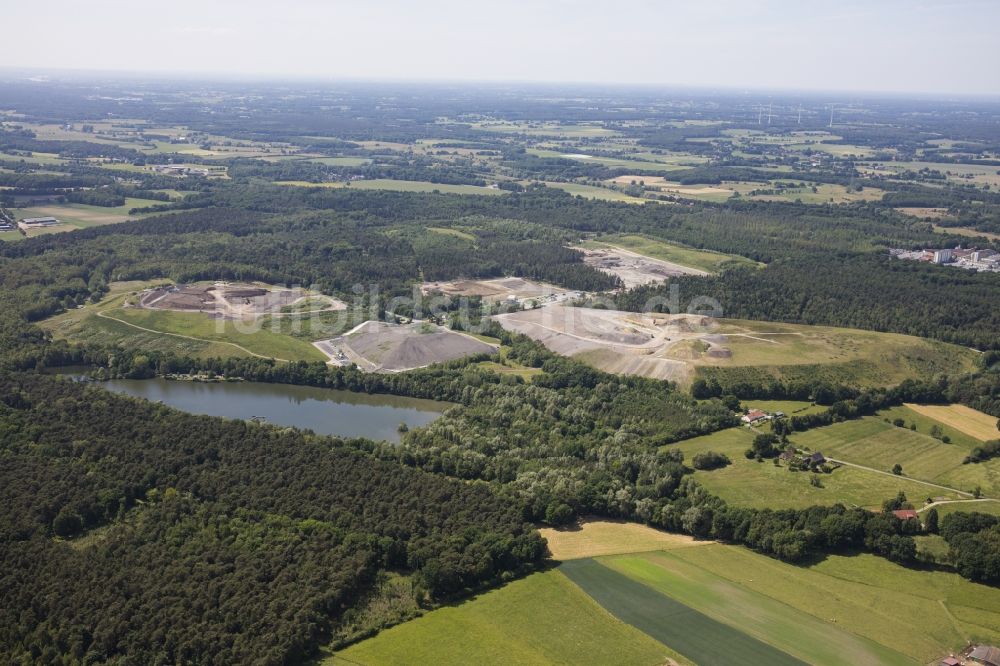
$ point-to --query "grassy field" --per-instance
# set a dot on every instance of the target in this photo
(85, 326)
(447, 231)
(197, 325)
(341, 161)
(612, 162)
(713, 604)
(964, 419)
(593, 192)
(705, 260)
(921, 614)
(590, 538)
(806, 637)
(746, 482)
(400, 186)
(189, 333)
(80, 216)
(979, 174)
(567, 130)
(789, 407)
(963, 231)
(541, 619)
(989, 506)
(872, 442)
(505, 368)
(697, 636)
(924, 423)
(848, 356)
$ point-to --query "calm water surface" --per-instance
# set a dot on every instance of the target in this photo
(326, 411)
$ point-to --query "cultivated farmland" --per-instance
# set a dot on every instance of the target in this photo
(746, 482)
(964, 419)
(542, 619)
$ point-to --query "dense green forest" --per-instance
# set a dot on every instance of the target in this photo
(134, 533)
(297, 527)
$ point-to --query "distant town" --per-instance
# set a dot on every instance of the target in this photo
(971, 259)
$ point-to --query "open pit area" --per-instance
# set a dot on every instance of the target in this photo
(237, 301)
(674, 347)
(506, 288)
(376, 346)
(631, 268)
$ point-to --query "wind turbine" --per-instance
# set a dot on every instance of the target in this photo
(769, 113)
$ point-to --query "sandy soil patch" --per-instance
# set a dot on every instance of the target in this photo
(935, 213)
(633, 269)
(616, 341)
(592, 538)
(493, 290)
(380, 347)
(238, 301)
(964, 419)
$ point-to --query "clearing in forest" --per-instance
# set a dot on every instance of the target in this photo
(497, 289)
(631, 268)
(590, 538)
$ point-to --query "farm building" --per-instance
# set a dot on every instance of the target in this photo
(985, 654)
(38, 222)
(816, 458)
(950, 661)
(906, 514)
(754, 416)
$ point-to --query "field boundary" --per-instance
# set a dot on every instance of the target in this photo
(900, 476)
(693, 634)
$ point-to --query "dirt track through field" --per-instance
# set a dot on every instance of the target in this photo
(104, 315)
(899, 476)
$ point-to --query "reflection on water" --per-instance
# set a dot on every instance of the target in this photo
(326, 411)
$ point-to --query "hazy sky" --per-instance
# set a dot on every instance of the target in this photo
(875, 45)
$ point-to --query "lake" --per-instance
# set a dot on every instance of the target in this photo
(325, 411)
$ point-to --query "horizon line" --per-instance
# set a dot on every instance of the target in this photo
(290, 78)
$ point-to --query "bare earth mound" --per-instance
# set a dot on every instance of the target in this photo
(493, 290)
(381, 347)
(238, 301)
(633, 269)
(612, 340)
(674, 347)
